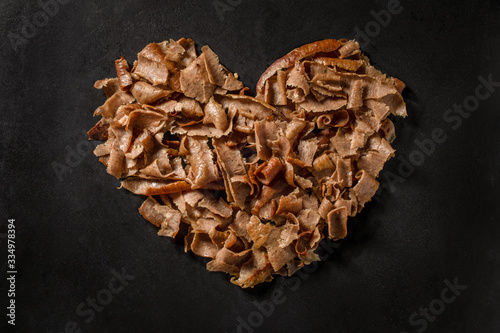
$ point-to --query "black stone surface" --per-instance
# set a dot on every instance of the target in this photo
(439, 222)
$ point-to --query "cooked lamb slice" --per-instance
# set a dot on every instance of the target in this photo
(218, 74)
(269, 170)
(195, 82)
(347, 64)
(395, 103)
(289, 204)
(251, 105)
(99, 131)
(142, 119)
(356, 95)
(328, 104)
(342, 142)
(162, 216)
(337, 223)
(239, 225)
(365, 188)
(378, 152)
(325, 207)
(265, 131)
(233, 169)
(203, 246)
(152, 65)
(215, 114)
(258, 231)
(228, 261)
(108, 109)
(109, 86)
(275, 89)
(298, 82)
(256, 270)
(219, 207)
(323, 167)
(343, 172)
(189, 54)
(145, 93)
(203, 168)
(154, 186)
(327, 45)
(349, 49)
(143, 143)
(308, 219)
(123, 73)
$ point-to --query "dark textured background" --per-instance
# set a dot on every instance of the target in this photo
(441, 223)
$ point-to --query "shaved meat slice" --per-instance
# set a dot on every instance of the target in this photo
(260, 109)
(108, 86)
(356, 95)
(327, 45)
(217, 73)
(379, 151)
(109, 108)
(203, 246)
(275, 90)
(258, 231)
(257, 182)
(152, 65)
(327, 104)
(308, 219)
(289, 204)
(215, 114)
(348, 49)
(342, 142)
(185, 58)
(269, 170)
(279, 256)
(307, 150)
(325, 207)
(239, 225)
(164, 217)
(380, 109)
(203, 169)
(145, 93)
(265, 132)
(395, 103)
(337, 223)
(101, 150)
(343, 172)
(143, 143)
(142, 119)
(305, 245)
(387, 130)
(323, 167)
(99, 131)
(362, 131)
(304, 183)
(195, 82)
(347, 64)
(153, 186)
(294, 128)
(228, 261)
(234, 172)
(297, 79)
(256, 270)
(219, 207)
(365, 188)
(123, 73)
(116, 163)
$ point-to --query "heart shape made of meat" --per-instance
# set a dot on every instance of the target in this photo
(258, 181)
